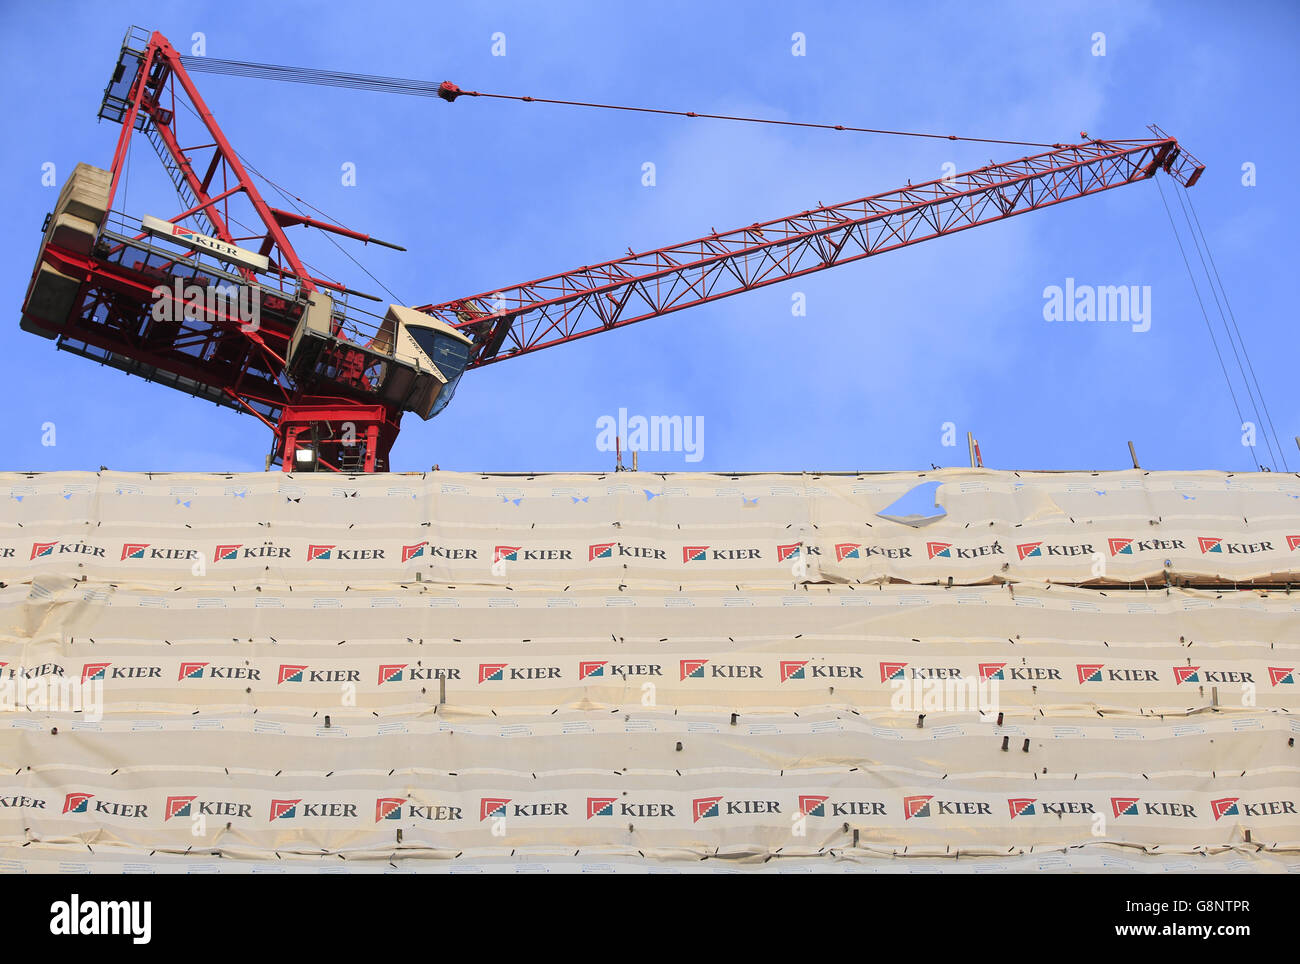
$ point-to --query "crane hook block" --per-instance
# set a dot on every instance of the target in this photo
(449, 91)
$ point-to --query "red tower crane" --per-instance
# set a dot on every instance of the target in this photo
(214, 301)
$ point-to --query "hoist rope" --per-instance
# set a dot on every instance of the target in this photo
(1250, 366)
(1204, 314)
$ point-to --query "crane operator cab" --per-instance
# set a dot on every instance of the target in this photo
(427, 345)
(413, 363)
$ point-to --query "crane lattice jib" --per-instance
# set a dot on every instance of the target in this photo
(523, 318)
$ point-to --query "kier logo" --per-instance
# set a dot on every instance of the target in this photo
(600, 550)
(318, 552)
(991, 671)
(1021, 806)
(813, 806)
(492, 807)
(388, 808)
(178, 807)
(1186, 674)
(1236, 807)
(77, 802)
(704, 553)
(600, 806)
(702, 807)
(40, 549)
(890, 671)
(693, 668)
(1037, 550)
(918, 806)
(290, 674)
(843, 550)
(593, 667)
(1224, 807)
(413, 552)
(288, 809)
(226, 553)
(1089, 672)
(391, 673)
(80, 803)
(520, 554)
(1124, 806)
(946, 550)
(93, 671)
(1216, 544)
(145, 550)
(792, 669)
(1293, 543)
(788, 552)
(1281, 675)
(191, 671)
(1120, 547)
(491, 672)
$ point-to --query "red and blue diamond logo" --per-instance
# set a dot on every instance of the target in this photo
(918, 806)
(600, 806)
(813, 805)
(178, 807)
(693, 668)
(703, 807)
(1124, 806)
(1021, 806)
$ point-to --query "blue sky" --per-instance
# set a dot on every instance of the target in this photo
(486, 193)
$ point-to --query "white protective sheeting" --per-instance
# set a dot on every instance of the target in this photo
(649, 670)
(759, 530)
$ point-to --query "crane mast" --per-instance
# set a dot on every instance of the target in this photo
(332, 379)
